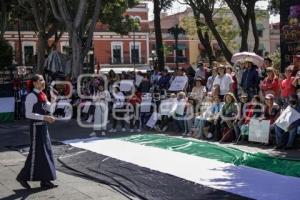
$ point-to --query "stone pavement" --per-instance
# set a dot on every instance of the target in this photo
(70, 187)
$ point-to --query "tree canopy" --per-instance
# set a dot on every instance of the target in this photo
(6, 54)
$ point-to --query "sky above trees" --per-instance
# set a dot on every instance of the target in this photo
(177, 7)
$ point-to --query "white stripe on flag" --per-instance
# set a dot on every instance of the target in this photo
(241, 180)
(7, 104)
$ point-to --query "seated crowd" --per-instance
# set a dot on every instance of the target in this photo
(216, 103)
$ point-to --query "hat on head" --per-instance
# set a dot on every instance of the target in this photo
(243, 95)
(269, 96)
(221, 66)
(290, 68)
(268, 59)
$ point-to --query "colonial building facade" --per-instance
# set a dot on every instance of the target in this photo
(108, 49)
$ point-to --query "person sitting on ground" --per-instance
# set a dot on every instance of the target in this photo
(180, 113)
(243, 104)
(252, 110)
(271, 112)
(292, 129)
(204, 124)
(228, 115)
(170, 105)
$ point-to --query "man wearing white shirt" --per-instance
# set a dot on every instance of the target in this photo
(223, 81)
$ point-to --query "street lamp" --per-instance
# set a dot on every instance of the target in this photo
(19, 36)
(136, 27)
(176, 31)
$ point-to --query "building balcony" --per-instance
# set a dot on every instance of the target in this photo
(172, 59)
(126, 60)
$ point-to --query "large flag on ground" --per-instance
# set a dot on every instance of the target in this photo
(163, 167)
(7, 109)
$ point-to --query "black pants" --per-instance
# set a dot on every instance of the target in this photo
(164, 121)
(39, 165)
(135, 118)
(118, 116)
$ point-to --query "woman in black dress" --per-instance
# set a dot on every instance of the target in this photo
(39, 165)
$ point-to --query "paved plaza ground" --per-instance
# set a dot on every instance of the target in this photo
(70, 186)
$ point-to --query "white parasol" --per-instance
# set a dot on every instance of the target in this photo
(248, 57)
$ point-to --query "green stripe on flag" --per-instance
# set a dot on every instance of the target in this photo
(223, 154)
(6, 116)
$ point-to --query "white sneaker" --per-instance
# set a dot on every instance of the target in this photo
(131, 130)
(139, 130)
(209, 135)
(112, 130)
(103, 133)
(157, 128)
(164, 128)
(89, 120)
(93, 134)
(123, 129)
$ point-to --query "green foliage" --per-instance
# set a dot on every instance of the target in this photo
(166, 4)
(276, 58)
(228, 31)
(274, 6)
(224, 25)
(112, 13)
(189, 25)
(6, 54)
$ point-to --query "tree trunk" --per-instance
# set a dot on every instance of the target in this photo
(243, 21)
(77, 61)
(244, 39)
(3, 16)
(158, 36)
(254, 28)
(227, 53)
(42, 47)
(205, 40)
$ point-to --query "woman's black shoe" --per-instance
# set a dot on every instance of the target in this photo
(47, 185)
(23, 183)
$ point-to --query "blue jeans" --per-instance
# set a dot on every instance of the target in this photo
(280, 136)
(144, 118)
(182, 123)
(199, 125)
